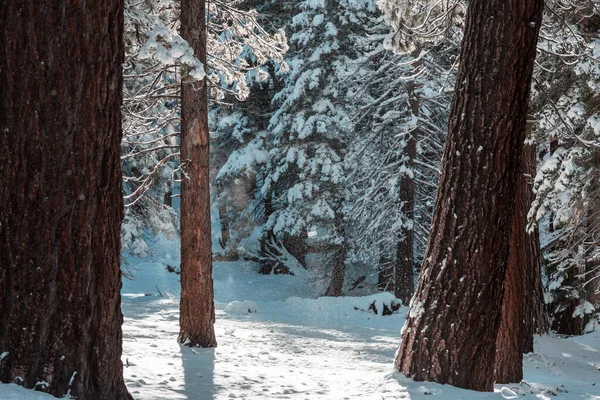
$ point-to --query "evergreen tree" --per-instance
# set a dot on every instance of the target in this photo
(61, 204)
(459, 295)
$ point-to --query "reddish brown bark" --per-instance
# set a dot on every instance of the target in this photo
(61, 201)
(522, 286)
(197, 309)
(450, 334)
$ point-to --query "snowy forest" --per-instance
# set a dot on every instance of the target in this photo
(299, 199)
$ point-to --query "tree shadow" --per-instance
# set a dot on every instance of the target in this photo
(199, 370)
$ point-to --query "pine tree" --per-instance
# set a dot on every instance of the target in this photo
(459, 294)
(305, 174)
(566, 182)
(61, 204)
(197, 308)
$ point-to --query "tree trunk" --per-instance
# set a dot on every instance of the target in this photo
(267, 265)
(197, 309)
(223, 216)
(296, 246)
(61, 202)
(339, 260)
(404, 286)
(450, 334)
(521, 302)
(339, 269)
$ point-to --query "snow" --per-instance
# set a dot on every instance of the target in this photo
(301, 347)
(241, 307)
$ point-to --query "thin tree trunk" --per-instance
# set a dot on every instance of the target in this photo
(61, 202)
(197, 309)
(535, 314)
(267, 266)
(450, 334)
(404, 286)
(223, 216)
(339, 261)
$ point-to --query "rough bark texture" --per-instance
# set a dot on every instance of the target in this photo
(450, 334)
(197, 310)
(521, 299)
(61, 201)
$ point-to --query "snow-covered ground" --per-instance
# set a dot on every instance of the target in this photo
(298, 347)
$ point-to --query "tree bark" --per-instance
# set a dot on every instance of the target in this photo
(450, 334)
(197, 309)
(404, 286)
(61, 202)
(522, 285)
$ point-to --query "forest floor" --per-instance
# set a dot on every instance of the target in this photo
(298, 347)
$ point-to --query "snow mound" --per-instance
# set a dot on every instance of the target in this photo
(241, 307)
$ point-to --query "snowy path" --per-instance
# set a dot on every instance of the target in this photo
(297, 349)
(254, 359)
(312, 349)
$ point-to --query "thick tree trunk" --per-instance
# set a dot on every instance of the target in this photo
(521, 301)
(197, 309)
(61, 201)
(450, 334)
